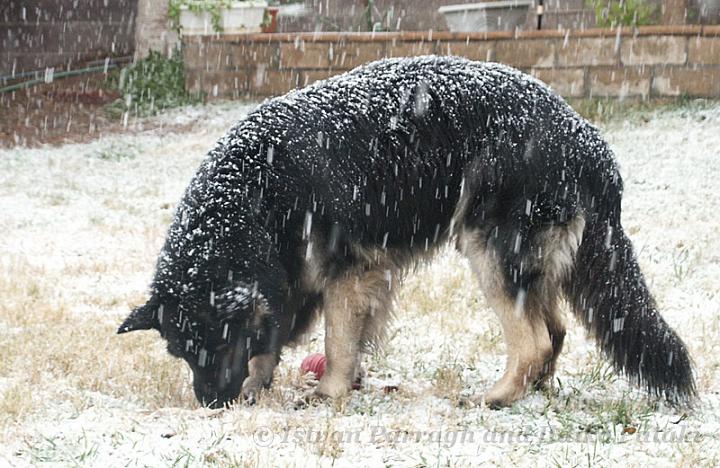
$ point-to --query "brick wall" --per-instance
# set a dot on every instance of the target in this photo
(35, 34)
(653, 61)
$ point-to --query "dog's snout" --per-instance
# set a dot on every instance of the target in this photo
(208, 395)
(205, 393)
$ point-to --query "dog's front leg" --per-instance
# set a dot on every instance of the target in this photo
(260, 370)
(345, 316)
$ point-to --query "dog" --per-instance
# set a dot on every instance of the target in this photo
(320, 201)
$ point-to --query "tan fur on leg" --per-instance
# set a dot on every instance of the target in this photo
(532, 322)
(529, 351)
(558, 247)
(345, 316)
(260, 369)
(356, 310)
(555, 323)
(526, 336)
(358, 372)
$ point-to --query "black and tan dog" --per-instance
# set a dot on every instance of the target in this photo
(319, 201)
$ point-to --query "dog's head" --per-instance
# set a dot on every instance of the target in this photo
(215, 334)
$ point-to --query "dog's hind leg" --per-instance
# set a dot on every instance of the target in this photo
(555, 323)
(529, 348)
(529, 351)
(554, 252)
(522, 284)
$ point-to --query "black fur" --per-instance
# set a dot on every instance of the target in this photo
(609, 295)
(378, 157)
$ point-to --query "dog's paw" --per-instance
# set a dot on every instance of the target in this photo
(503, 395)
(250, 389)
(308, 381)
(471, 401)
(476, 401)
(310, 398)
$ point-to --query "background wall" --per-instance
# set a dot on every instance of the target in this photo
(653, 61)
(36, 34)
(415, 15)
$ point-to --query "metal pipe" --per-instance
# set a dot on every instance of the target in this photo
(15, 76)
(540, 11)
(62, 74)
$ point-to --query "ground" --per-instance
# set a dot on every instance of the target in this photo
(70, 110)
(82, 223)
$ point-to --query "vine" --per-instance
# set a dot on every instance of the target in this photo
(612, 13)
(213, 7)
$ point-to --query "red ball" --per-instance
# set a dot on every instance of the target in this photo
(314, 363)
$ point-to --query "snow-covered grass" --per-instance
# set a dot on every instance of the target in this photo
(81, 226)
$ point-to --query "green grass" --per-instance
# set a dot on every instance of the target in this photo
(115, 152)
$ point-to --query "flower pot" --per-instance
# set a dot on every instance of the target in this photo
(488, 16)
(269, 24)
(709, 11)
(239, 17)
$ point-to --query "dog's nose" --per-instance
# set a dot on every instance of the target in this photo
(215, 400)
(212, 401)
(206, 395)
(209, 396)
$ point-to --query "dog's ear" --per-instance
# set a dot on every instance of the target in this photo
(142, 318)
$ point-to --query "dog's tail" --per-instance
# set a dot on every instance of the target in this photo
(608, 294)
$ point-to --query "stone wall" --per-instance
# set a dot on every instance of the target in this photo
(653, 61)
(38, 34)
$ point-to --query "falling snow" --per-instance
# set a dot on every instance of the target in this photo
(65, 207)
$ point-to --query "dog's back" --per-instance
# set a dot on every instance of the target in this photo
(385, 150)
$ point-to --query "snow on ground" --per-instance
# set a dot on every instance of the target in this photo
(82, 224)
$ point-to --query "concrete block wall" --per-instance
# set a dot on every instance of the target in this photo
(649, 62)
